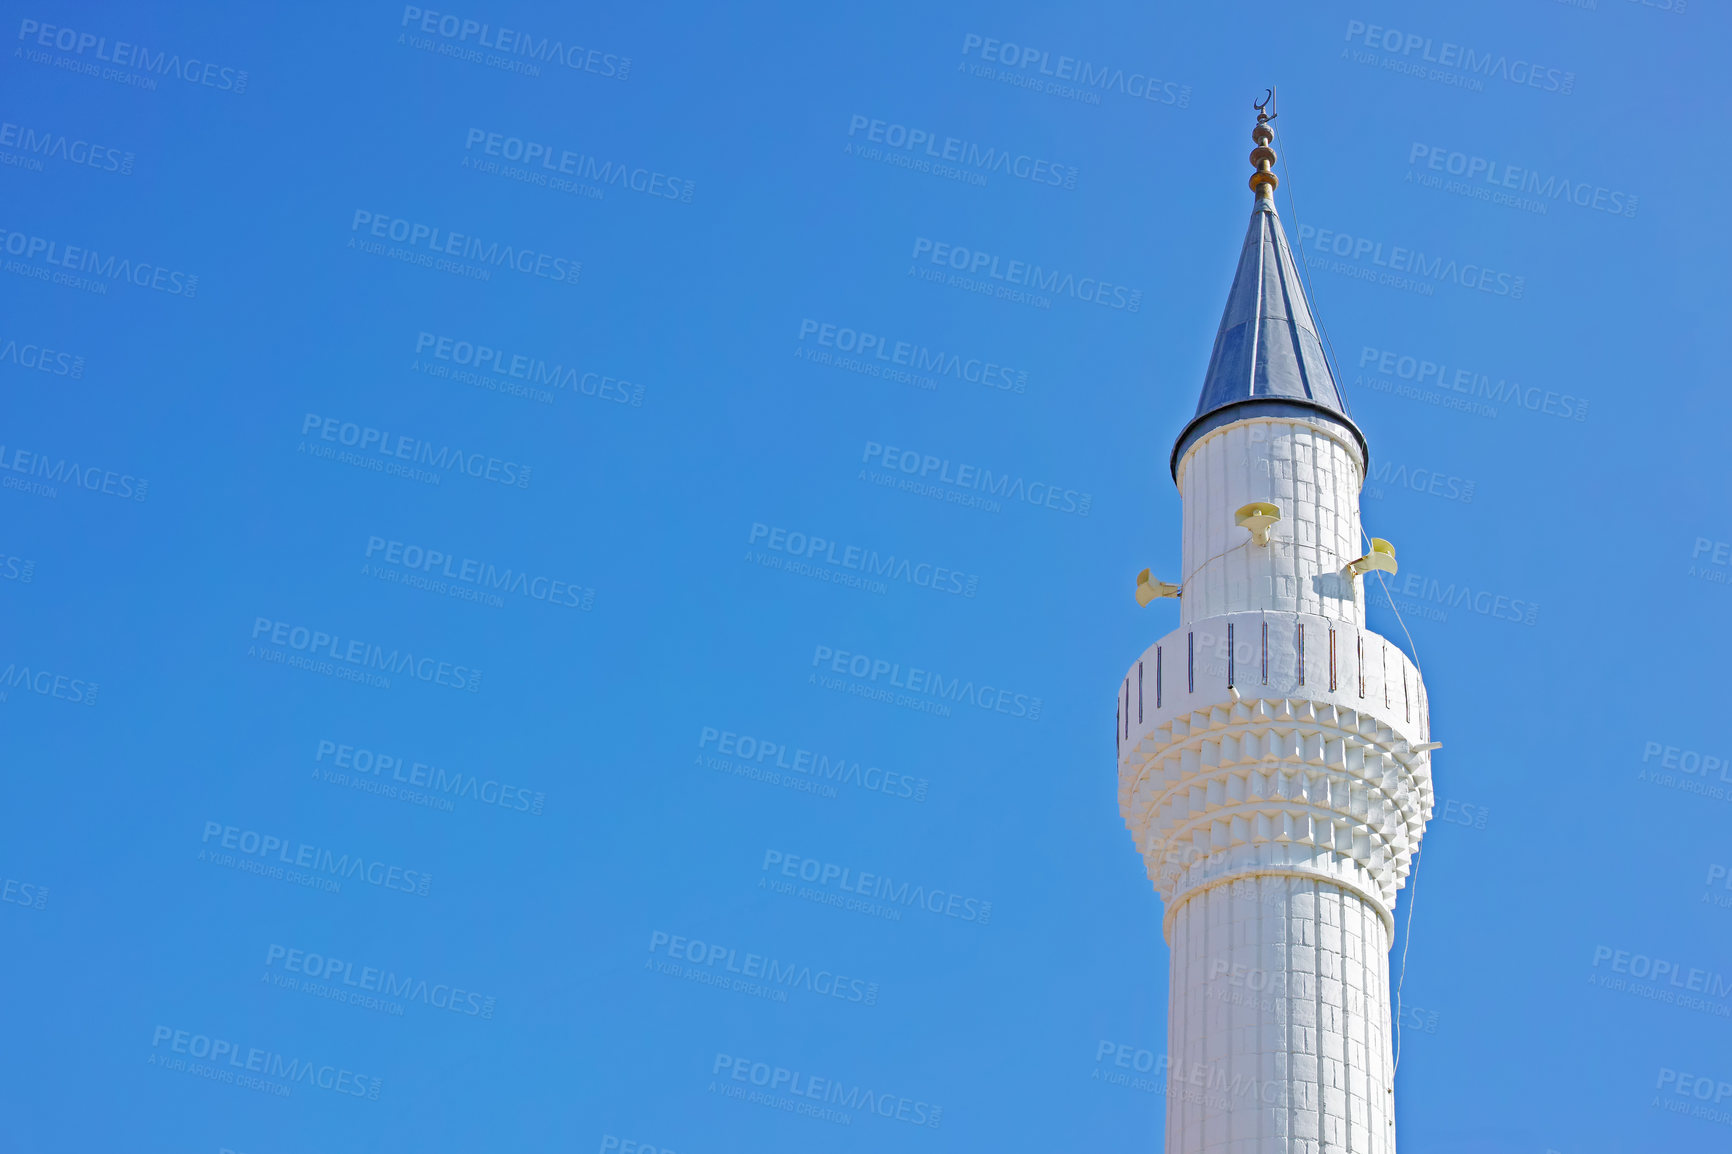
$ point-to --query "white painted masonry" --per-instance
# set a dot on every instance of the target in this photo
(1314, 474)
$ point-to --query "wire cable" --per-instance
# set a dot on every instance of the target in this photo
(1406, 940)
(1213, 559)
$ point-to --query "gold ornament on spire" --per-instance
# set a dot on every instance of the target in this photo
(1264, 180)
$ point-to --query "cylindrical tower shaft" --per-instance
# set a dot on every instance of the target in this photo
(1279, 1035)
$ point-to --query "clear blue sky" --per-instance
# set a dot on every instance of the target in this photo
(668, 229)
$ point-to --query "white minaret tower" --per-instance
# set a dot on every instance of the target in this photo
(1274, 753)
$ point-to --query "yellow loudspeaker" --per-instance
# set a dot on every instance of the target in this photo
(1382, 556)
(1257, 517)
(1149, 589)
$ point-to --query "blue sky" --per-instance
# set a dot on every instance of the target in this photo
(555, 582)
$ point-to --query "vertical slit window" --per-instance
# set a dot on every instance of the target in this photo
(1265, 653)
(1230, 655)
(1127, 707)
(1157, 677)
(1406, 702)
(1190, 663)
(1386, 675)
(1332, 661)
(1139, 693)
(1361, 644)
(1301, 654)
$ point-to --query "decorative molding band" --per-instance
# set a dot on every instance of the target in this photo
(1327, 778)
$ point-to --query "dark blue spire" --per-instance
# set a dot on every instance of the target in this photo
(1268, 358)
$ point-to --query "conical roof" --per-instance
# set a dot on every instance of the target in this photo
(1267, 358)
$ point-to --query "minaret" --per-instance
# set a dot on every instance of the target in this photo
(1274, 753)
